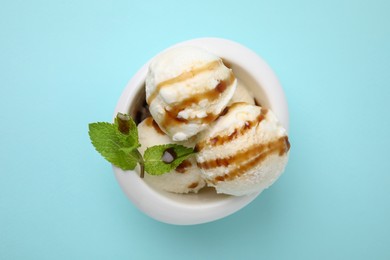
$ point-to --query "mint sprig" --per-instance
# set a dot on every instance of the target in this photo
(163, 158)
(118, 143)
(110, 144)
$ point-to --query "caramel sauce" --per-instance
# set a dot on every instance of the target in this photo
(183, 77)
(182, 168)
(248, 159)
(157, 128)
(171, 115)
(222, 139)
(151, 123)
(193, 185)
(224, 111)
(238, 171)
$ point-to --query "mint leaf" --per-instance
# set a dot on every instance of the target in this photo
(161, 159)
(110, 143)
(118, 143)
(127, 130)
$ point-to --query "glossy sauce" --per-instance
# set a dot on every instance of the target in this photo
(193, 185)
(183, 77)
(182, 168)
(188, 102)
(171, 115)
(244, 161)
(151, 123)
(222, 139)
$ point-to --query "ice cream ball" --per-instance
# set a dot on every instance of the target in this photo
(244, 151)
(186, 89)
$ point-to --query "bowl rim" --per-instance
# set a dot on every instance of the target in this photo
(163, 208)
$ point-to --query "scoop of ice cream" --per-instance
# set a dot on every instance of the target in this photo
(244, 151)
(185, 178)
(242, 94)
(186, 89)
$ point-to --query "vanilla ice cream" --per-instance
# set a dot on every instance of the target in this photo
(244, 151)
(186, 178)
(186, 89)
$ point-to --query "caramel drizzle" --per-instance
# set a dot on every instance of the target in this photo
(193, 185)
(182, 168)
(228, 108)
(183, 77)
(222, 139)
(248, 159)
(150, 122)
(171, 118)
(171, 115)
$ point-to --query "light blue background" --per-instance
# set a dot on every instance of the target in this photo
(64, 64)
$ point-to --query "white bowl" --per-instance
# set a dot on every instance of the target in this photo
(206, 206)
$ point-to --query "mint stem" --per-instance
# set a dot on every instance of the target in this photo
(141, 163)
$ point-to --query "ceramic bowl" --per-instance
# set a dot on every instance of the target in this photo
(206, 206)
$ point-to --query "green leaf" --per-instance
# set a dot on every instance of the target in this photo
(114, 146)
(127, 130)
(154, 163)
